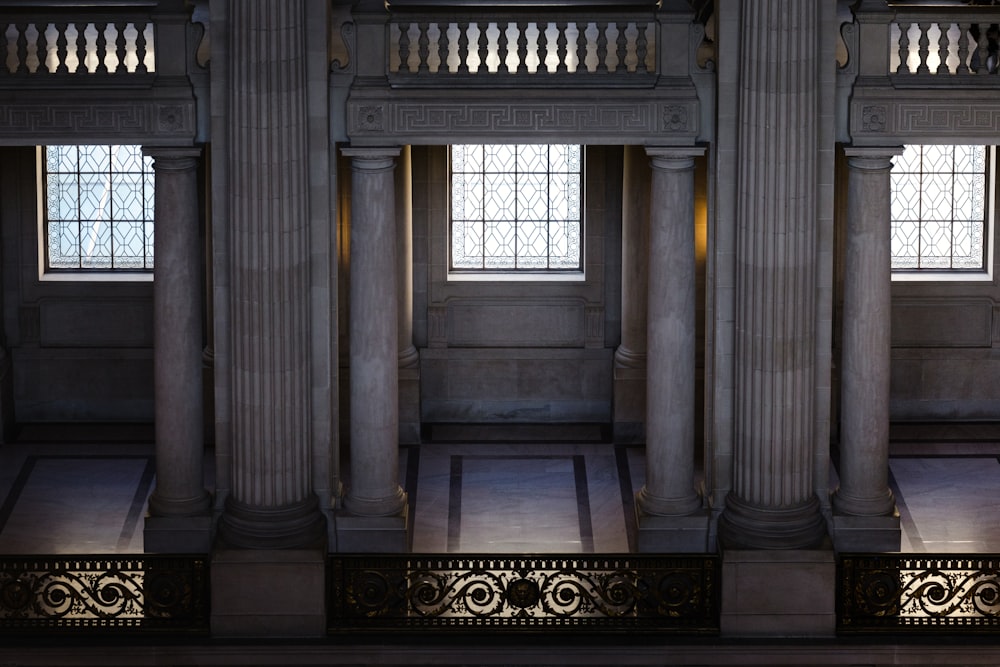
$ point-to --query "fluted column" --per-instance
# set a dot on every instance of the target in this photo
(864, 508)
(668, 499)
(373, 489)
(630, 356)
(179, 504)
(271, 503)
(773, 503)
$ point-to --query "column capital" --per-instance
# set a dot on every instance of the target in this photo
(873, 158)
(372, 158)
(675, 158)
(173, 154)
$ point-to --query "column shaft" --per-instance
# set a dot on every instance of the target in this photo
(177, 334)
(864, 432)
(271, 503)
(670, 337)
(631, 353)
(773, 504)
(374, 356)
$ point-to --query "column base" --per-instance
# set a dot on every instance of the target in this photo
(866, 533)
(629, 409)
(372, 534)
(177, 534)
(778, 593)
(745, 526)
(300, 525)
(673, 534)
(269, 594)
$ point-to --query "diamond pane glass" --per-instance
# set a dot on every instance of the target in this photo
(516, 207)
(938, 208)
(99, 208)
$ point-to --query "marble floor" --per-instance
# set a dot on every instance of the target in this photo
(72, 490)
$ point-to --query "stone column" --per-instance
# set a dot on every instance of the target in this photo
(630, 357)
(271, 504)
(671, 517)
(374, 517)
(864, 510)
(773, 503)
(178, 508)
(409, 359)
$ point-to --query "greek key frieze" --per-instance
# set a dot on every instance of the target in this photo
(134, 120)
(948, 117)
(409, 118)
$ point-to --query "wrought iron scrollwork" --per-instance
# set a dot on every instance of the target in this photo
(74, 593)
(543, 592)
(896, 592)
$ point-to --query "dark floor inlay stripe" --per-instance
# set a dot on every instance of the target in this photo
(16, 489)
(628, 496)
(455, 504)
(138, 506)
(583, 504)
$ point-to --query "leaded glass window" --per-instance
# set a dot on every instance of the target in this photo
(99, 208)
(516, 208)
(939, 205)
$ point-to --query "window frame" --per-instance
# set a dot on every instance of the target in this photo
(515, 274)
(82, 274)
(957, 275)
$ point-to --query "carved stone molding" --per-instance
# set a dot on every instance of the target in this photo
(923, 117)
(431, 120)
(73, 119)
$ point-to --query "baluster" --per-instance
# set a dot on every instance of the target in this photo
(404, 47)
(4, 44)
(943, 43)
(904, 48)
(42, 49)
(61, 50)
(81, 47)
(561, 47)
(443, 47)
(581, 46)
(522, 47)
(22, 48)
(963, 50)
(423, 48)
(923, 47)
(102, 47)
(622, 43)
(982, 49)
(484, 46)
(641, 51)
(543, 47)
(502, 46)
(140, 49)
(602, 47)
(463, 47)
(120, 49)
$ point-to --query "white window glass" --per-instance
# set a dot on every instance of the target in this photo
(98, 208)
(939, 209)
(516, 208)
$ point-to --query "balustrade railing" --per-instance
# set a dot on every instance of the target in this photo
(538, 593)
(90, 594)
(533, 48)
(935, 46)
(61, 45)
(918, 593)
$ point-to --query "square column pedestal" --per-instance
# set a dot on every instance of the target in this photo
(372, 534)
(673, 534)
(777, 593)
(866, 533)
(274, 593)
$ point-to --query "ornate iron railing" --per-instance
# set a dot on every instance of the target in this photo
(918, 593)
(71, 594)
(534, 593)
